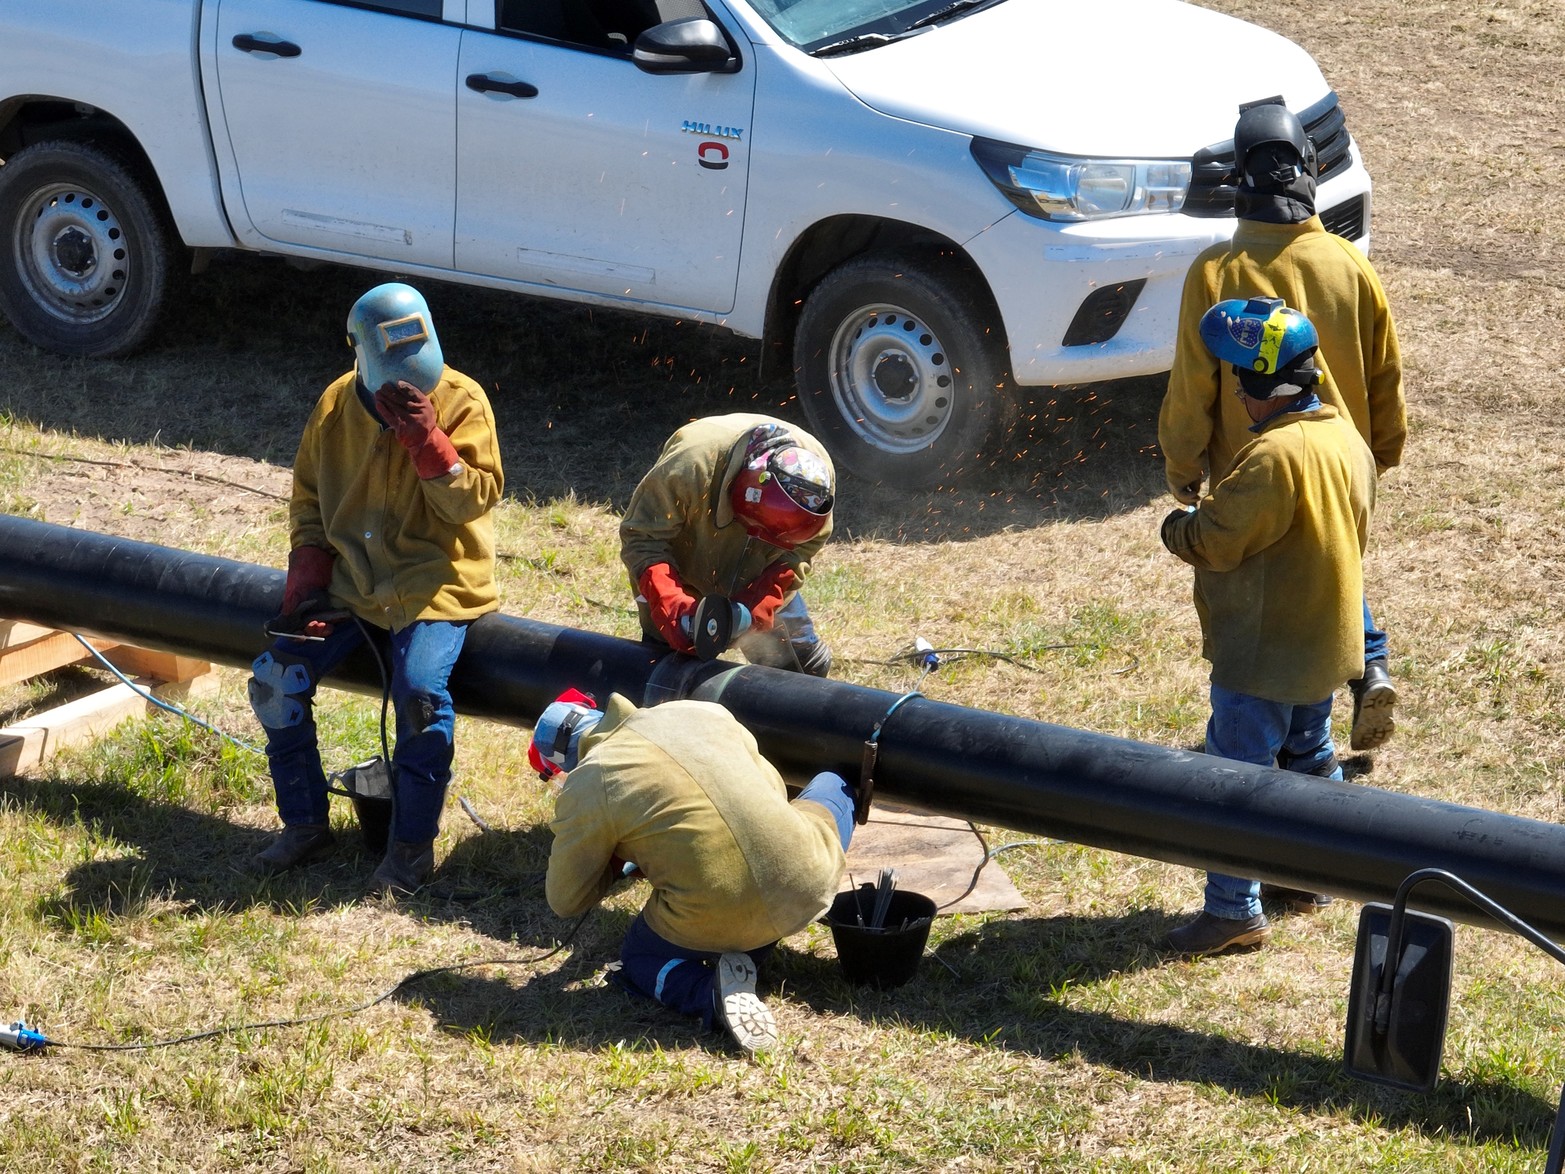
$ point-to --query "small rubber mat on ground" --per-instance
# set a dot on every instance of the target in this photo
(934, 855)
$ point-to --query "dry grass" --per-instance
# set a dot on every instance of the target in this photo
(1057, 1038)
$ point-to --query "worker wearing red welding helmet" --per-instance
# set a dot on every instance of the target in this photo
(735, 506)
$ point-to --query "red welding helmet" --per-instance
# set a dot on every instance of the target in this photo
(783, 493)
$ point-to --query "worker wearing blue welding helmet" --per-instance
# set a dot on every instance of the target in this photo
(1276, 546)
(391, 540)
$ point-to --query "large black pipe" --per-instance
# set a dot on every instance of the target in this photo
(1172, 805)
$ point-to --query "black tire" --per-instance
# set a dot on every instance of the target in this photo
(898, 373)
(84, 250)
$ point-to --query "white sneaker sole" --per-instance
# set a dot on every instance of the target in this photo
(739, 1009)
(1374, 722)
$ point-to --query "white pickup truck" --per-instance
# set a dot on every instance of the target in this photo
(930, 204)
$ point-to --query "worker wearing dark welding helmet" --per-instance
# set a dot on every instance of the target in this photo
(391, 540)
(735, 507)
(680, 795)
(1280, 248)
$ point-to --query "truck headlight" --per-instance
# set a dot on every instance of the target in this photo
(1068, 187)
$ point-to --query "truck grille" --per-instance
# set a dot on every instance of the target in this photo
(1212, 180)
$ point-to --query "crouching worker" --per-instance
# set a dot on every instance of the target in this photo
(1277, 546)
(390, 530)
(735, 506)
(679, 794)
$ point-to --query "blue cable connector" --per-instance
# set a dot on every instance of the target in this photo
(21, 1038)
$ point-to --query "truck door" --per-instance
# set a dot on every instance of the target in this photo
(577, 171)
(340, 121)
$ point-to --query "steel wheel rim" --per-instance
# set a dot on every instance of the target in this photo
(71, 253)
(891, 379)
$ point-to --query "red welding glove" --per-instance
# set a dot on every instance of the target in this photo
(410, 415)
(305, 590)
(766, 595)
(669, 603)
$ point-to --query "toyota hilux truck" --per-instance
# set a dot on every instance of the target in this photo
(931, 206)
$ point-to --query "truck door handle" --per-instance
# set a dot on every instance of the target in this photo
(485, 84)
(248, 44)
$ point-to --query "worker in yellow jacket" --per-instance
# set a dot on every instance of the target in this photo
(680, 794)
(391, 537)
(735, 506)
(1281, 249)
(1277, 546)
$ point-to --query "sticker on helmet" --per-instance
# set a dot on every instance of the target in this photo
(1245, 331)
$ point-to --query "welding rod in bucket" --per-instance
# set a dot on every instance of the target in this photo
(885, 885)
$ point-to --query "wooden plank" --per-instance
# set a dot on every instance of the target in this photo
(21, 662)
(36, 739)
(14, 632)
(30, 742)
(165, 666)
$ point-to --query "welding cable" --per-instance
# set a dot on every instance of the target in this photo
(161, 704)
(917, 655)
(37, 1041)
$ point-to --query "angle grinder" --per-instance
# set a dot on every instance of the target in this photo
(717, 623)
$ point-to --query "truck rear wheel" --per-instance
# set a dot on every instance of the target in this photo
(898, 375)
(84, 250)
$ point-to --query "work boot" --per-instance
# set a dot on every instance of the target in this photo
(1212, 935)
(296, 844)
(1295, 899)
(405, 869)
(738, 1010)
(1373, 698)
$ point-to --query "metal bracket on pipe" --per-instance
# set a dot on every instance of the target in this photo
(676, 676)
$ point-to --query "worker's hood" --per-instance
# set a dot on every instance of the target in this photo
(1108, 78)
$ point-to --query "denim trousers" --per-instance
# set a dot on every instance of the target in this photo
(421, 657)
(791, 643)
(682, 979)
(1252, 729)
(1376, 647)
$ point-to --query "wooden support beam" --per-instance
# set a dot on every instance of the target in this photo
(27, 651)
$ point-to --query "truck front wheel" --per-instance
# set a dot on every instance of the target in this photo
(898, 374)
(84, 250)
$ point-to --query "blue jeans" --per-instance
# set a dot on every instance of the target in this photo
(1251, 729)
(421, 657)
(682, 979)
(791, 643)
(1376, 647)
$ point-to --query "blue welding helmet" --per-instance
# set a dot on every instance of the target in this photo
(393, 336)
(1272, 347)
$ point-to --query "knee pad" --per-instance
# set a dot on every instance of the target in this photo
(279, 689)
(420, 712)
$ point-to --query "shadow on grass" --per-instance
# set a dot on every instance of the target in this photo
(584, 398)
(1003, 985)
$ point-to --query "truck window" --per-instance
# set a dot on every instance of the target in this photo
(429, 9)
(598, 24)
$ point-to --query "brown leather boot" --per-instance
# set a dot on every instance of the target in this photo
(1209, 934)
(406, 868)
(296, 844)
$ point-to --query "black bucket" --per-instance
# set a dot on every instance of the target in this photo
(887, 956)
(374, 822)
(368, 787)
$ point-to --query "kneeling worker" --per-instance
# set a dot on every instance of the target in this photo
(680, 794)
(735, 506)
